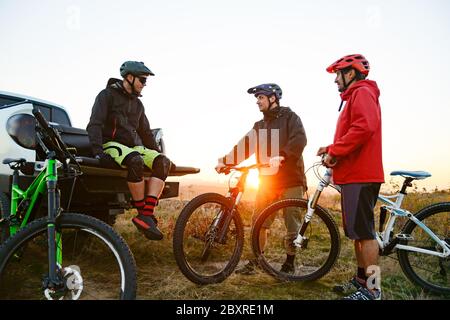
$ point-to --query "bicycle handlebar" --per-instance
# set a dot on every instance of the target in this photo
(56, 143)
(227, 169)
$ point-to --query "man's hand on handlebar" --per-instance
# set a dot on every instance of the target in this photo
(221, 167)
(327, 160)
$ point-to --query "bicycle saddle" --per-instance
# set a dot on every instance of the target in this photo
(10, 160)
(419, 175)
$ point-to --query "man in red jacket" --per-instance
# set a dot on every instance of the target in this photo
(356, 159)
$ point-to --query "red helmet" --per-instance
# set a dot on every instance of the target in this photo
(356, 61)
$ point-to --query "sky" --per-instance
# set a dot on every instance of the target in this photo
(206, 54)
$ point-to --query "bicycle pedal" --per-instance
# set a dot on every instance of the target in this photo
(404, 236)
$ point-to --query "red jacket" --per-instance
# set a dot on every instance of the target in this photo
(357, 140)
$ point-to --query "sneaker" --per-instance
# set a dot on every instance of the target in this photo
(364, 294)
(287, 267)
(249, 268)
(348, 287)
(148, 226)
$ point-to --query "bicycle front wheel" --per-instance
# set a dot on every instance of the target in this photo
(430, 272)
(96, 262)
(271, 241)
(201, 255)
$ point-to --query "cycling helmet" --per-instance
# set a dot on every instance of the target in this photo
(267, 89)
(356, 61)
(135, 68)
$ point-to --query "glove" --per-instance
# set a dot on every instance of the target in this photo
(276, 162)
(106, 160)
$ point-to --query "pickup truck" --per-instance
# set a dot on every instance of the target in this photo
(100, 192)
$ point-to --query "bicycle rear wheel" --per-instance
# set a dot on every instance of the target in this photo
(201, 257)
(430, 272)
(97, 263)
(270, 241)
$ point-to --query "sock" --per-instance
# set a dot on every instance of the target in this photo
(361, 274)
(150, 203)
(290, 258)
(139, 205)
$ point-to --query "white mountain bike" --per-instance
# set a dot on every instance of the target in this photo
(422, 245)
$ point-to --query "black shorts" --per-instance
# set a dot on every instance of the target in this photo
(358, 201)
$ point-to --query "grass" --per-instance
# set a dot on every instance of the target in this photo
(159, 277)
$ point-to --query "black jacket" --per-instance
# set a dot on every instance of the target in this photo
(292, 141)
(119, 116)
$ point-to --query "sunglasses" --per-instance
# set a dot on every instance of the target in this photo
(142, 80)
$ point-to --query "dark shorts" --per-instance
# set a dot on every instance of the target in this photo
(358, 201)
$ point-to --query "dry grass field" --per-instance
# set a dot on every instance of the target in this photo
(159, 277)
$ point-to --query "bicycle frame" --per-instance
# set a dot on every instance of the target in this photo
(25, 199)
(395, 210)
(234, 193)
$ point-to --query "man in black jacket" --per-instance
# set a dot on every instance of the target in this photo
(278, 140)
(119, 132)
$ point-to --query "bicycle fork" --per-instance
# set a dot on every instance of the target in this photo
(223, 220)
(54, 280)
(301, 241)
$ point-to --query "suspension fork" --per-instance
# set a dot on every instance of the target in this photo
(16, 194)
(224, 218)
(54, 239)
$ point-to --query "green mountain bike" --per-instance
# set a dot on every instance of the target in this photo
(63, 255)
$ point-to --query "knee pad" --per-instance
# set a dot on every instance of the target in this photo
(135, 166)
(161, 167)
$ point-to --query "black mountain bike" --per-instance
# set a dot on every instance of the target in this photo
(63, 255)
(209, 236)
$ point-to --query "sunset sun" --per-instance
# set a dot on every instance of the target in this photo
(253, 179)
